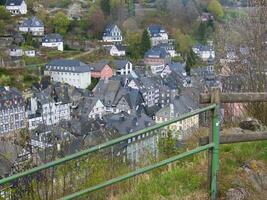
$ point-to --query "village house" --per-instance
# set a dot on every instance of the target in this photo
(30, 53)
(53, 41)
(122, 67)
(101, 69)
(157, 34)
(15, 52)
(16, 7)
(48, 107)
(73, 72)
(137, 147)
(179, 106)
(117, 50)
(112, 33)
(205, 17)
(169, 48)
(33, 26)
(157, 58)
(12, 110)
(204, 51)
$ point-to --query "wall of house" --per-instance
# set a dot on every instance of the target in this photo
(16, 10)
(58, 45)
(79, 80)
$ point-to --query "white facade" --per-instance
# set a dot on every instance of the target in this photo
(98, 110)
(115, 52)
(112, 34)
(36, 31)
(163, 38)
(17, 9)
(52, 113)
(80, 80)
(126, 69)
(58, 45)
(155, 69)
(30, 53)
(16, 52)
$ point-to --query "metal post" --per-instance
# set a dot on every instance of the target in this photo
(215, 151)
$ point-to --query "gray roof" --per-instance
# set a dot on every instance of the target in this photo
(32, 22)
(125, 123)
(108, 30)
(155, 30)
(99, 65)
(10, 97)
(157, 52)
(120, 64)
(54, 37)
(14, 2)
(63, 65)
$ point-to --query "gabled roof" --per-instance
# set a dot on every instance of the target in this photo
(14, 2)
(155, 30)
(32, 22)
(120, 47)
(99, 65)
(120, 64)
(63, 65)
(108, 29)
(54, 37)
(157, 52)
(10, 97)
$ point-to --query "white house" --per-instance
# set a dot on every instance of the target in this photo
(16, 52)
(45, 110)
(33, 26)
(73, 72)
(117, 50)
(16, 7)
(123, 67)
(53, 41)
(112, 33)
(30, 53)
(158, 34)
(204, 51)
(97, 108)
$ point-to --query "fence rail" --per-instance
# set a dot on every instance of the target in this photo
(213, 146)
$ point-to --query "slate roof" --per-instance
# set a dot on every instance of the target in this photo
(63, 65)
(157, 52)
(99, 65)
(14, 2)
(120, 64)
(54, 37)
(202, 48)
(125, 123)
(10, 97)
(108, 29)
(155, 30)
(32, 22)
(120, 47)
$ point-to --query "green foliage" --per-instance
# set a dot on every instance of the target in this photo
(191, 60)
(216, 8)
(205, 31)
(145, 43)
(61, 23)
(5, 79)
(4, 14)
(2, 27)
(133, 48)
(167, 145)
(94, 82)
(105, 6)
(183, 43)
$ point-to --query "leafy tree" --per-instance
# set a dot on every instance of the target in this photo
(96, 21)
(105, 6)
(145, 43)
(2, 27)
(61, 23)
(167, 144)
(183, 43)
(4, 14)
(215, 8)
(191, 60)
(133, 48)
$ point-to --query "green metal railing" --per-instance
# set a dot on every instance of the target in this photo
(214, 146)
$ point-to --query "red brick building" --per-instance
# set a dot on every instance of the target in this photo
(101, 70)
